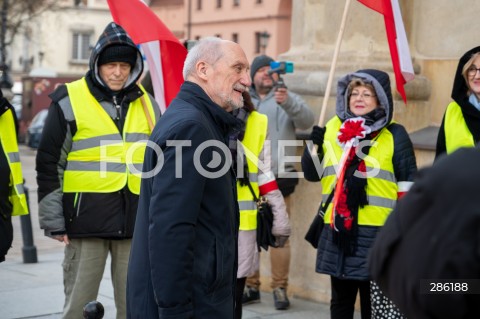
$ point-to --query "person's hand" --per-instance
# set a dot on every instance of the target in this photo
(317, 135)
(281, 95)
(280, 241)
(62, 238)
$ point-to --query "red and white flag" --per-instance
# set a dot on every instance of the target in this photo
(397, 41)
(164, 53)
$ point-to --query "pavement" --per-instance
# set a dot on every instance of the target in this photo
(35, 290)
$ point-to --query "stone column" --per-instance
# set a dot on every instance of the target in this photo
(315, 27)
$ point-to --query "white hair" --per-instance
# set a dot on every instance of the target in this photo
(207, 49)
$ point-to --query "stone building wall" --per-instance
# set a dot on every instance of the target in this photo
(439, 32)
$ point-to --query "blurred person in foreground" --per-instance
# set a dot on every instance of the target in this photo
(427, 257)
(286, 112)
(461, 122)
(88, 168)
(379, 168)
(183, 262)
(12, 194)
(256, 171)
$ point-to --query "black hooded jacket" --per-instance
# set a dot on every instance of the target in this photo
(6, 207)
(331, 259)
(104, 215)
(460, 96)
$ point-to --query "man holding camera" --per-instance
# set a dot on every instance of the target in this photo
(286, 111)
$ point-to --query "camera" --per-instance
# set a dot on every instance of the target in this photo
(280, 67)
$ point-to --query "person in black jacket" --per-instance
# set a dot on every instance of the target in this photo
(12, 194)
(377, 168)
(88, 180)
(427, 257)
(183, 262)
(461, 122)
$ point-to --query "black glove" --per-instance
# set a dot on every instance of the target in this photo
(280, 241)
(317, 135)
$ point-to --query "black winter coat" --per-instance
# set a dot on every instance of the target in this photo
(6, 207)
(183, 257)
(331, 259)
(460, 94)
(101, 215)
(433, 234)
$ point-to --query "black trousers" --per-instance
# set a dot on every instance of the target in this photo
(344, 294)
(238, 296)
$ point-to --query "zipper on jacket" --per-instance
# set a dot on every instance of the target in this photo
(117, 107)
(277, 115)
(79, 197)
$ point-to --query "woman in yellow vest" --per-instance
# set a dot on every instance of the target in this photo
(254, 169)
(365, 163)
(461, 122)
(12, 196)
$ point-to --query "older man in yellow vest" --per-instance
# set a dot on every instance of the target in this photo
(89, 164)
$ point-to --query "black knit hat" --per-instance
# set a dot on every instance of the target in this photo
(259, 62)
(118, 53)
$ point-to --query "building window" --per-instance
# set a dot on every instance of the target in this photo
(219, 3)
(80, 2)
(236, 3)
(257, 42)
(235, 37)
(259, 1)
(81, 46)
(199, 4)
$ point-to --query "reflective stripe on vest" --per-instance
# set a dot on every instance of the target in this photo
(381, 185)
(8, 138)
(457, 133)
(255, 134)
(100, 160)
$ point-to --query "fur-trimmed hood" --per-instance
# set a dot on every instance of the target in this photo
(381, 83)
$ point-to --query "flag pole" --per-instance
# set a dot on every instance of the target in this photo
(332, 70)
(334, 64)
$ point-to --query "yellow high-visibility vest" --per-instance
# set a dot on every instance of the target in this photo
(101, 160)
(8, 138)
(457, 133)
(381, 187)
(255, 134)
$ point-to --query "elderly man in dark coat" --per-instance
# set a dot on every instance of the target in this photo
(183, 258)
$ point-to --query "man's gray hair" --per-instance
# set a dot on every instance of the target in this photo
(207, 49)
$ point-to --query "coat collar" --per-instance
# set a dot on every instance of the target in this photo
(195, 95)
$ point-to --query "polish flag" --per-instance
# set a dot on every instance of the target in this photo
(164, 53)
(397, 41)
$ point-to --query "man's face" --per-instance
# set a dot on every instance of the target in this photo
(115, 74)
(229, 77)
(263, 82)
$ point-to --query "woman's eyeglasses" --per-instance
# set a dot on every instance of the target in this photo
(364, 96)
(472, 71)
